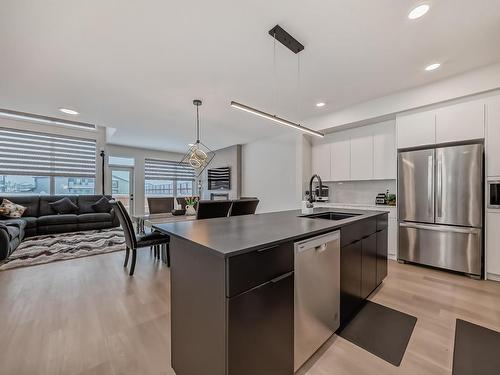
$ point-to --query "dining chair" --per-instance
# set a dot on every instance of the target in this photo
(161, 205)
(133, 241)
(244, 207)
(212, 209)
(182, 202)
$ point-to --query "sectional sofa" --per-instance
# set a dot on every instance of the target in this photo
(41, 218)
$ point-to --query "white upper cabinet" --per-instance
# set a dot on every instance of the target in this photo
(460, 122)
(493, 136)
(384, 151)
(362, 153)
(321, 160)
(418, 129)
(340, 156)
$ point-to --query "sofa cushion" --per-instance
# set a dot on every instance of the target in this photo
(85, 202)
(64, 206)
(45, 200)
(31, 202)
(20, 223)
(102, 205)
(95, 217)
(30, 221)
(11, 209)
(13, 231)
(57, 219)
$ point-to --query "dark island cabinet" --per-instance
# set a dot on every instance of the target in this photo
(350, 279)
(382, 238)
(368, 265)
(260, 329)
(363, 263)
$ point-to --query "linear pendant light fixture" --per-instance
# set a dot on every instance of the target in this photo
(6, 113)
(275, 118)
(280, 35)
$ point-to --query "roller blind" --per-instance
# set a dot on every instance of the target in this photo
(168, 170)
(39, 154)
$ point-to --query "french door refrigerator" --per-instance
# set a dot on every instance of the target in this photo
(440, 197)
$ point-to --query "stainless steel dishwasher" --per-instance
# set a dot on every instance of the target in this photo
(317, 294)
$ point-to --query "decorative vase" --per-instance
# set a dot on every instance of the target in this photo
(190, 210)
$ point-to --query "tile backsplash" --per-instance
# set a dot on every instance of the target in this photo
(359, 192)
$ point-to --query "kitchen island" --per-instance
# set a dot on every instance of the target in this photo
(232, 285)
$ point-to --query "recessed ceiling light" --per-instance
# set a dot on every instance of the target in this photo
(418, 11)
(432, 67)
(69, 111)
(320, 104)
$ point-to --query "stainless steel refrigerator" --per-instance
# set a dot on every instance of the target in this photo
(440, 198)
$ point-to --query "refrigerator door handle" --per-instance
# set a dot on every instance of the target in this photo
(439, 186)
(441, 228)
(430, 182)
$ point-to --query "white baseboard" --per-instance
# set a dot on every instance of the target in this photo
(392, 257)
(492, 276)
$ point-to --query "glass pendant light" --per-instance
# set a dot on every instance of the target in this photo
(198, 155)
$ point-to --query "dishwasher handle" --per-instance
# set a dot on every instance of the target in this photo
(318, 243)
(321, 248)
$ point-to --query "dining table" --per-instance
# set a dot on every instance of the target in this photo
(148, 220)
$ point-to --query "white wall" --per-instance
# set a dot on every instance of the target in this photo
(226, 157)
(270, 172)
(139, 154)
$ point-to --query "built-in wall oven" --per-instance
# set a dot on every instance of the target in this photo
(494, 194)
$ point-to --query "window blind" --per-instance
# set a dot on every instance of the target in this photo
(156, 169)
(39, 154)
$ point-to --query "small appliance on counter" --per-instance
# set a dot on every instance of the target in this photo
(380, 198)
(386, 199)
(321, 196)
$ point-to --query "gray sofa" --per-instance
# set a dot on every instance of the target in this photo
(40, 218)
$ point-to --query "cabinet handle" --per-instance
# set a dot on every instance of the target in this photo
(266, 249)
(279, 278)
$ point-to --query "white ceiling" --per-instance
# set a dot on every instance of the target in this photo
(137, 65)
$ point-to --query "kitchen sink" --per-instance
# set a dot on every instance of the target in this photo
(332, 215)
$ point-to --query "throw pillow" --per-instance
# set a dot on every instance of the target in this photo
(64, 206)
(102, 206)
(11, 209)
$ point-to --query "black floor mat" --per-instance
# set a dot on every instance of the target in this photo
(477, 350)
(380, 330)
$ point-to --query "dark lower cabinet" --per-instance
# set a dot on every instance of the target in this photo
(363, 263)
(368, 265)
(382, 254)
(260, 329)
(350, 280)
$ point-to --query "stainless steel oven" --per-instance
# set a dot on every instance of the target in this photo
(494, 194)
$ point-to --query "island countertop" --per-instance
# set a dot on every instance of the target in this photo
(229, 236)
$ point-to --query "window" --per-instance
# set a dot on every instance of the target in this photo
(24, 185)
(121, 161)
(39, 163)
(74, 185)
(167, 179)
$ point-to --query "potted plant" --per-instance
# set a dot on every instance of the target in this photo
(190, 203)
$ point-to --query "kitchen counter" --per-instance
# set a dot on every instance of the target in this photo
(233, 281)
(236, 235)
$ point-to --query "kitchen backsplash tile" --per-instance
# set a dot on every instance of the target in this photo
(359, 192)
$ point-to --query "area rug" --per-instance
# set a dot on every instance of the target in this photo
(382, 331)
(55, 247)
(476, 350)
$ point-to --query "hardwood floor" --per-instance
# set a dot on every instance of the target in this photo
(86, 316)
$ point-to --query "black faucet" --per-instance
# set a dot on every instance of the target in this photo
(311, 185)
